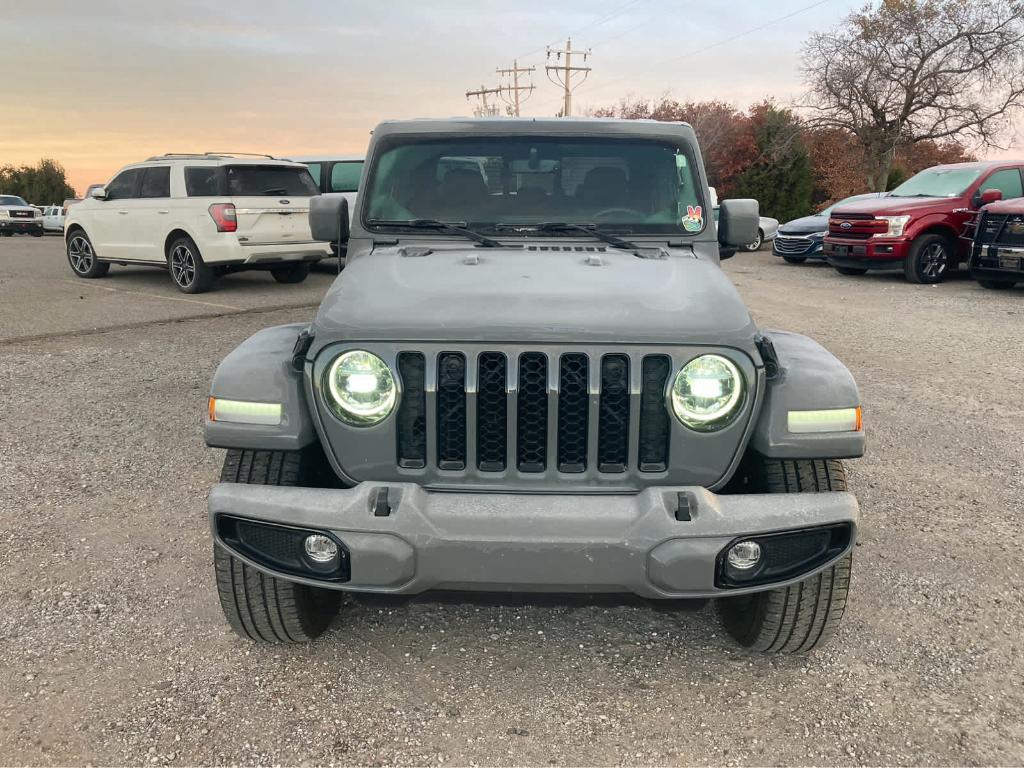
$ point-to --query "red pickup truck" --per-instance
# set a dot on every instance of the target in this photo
(916, 227)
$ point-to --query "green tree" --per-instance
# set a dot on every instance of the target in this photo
(43, 184)
(781, 178)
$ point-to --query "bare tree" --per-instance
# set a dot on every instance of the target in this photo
(907, 71)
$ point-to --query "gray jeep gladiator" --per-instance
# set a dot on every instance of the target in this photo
(533, 376)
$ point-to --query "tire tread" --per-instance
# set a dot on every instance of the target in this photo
(800, 617)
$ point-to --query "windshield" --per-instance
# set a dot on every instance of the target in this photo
(639, 186)
(11, 200)
(255, 180)
(938, 182)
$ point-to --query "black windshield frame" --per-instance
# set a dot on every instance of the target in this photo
(661, 230)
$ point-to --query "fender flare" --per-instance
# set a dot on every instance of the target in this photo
(809, 377)
(260, 370)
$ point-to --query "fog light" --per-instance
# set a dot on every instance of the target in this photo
(743, 555)
(320, 549)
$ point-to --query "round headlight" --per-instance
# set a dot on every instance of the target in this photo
(706, 392)
(360, 388)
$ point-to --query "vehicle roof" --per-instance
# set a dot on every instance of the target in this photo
(327, 157)
(211, 159)
(983, 164)
(526, 126)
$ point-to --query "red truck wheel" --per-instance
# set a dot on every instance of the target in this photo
(930, 260)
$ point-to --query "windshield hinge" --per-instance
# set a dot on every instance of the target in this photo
(414, 252)
(651, 253)
(764, 345)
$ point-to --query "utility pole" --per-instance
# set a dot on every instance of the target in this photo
(483, 109)
(565, 72)
(515, 88)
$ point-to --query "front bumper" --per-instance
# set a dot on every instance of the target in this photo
(532, 542)
(873, 253)
(20, 225)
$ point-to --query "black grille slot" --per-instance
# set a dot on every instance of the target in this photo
(412, 413)
(451, 411)
(532, 413)
(613, 420)
(573, 407)
(491, 413)
(654, 416)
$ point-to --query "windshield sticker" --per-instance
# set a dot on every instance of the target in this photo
(693, 221)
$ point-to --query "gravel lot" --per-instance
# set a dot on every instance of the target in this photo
(113, 648)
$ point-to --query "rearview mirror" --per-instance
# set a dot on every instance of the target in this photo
(98, 194)
(990, 196)
(328, 218)
(738, 222)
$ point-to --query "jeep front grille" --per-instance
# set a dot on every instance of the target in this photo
(548, 431)
(540, 417)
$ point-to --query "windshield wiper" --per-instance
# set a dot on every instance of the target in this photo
(561, 226)
(455, 227)
(275, 191)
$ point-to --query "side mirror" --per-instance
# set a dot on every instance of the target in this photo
(328, 218)
(99, 194)
(738, 221)
(990, 196)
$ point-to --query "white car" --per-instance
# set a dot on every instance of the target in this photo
(53, 218)
(198, 216)
(18, 217)
(336, 173)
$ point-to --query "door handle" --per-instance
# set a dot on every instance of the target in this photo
(123, 213)
(163, 210)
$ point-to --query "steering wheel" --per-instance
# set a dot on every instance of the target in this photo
(628, 211)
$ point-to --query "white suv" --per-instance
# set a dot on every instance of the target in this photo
(199, 216)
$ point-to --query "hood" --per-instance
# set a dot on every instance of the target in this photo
(804, 226)
(895, 206)
(520, 295)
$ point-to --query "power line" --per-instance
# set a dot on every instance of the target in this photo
(737, 36)
(513, 90)
(589, 25)
(483, 109)
(565, 72)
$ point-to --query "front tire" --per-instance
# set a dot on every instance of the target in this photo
(802, 616)
(930, 260)
(82, 257)
(293, 273)
(263, 608)
(188, 270)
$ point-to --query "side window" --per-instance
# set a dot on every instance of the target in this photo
(156, 182)
(1006, 181)
(315, 170)
(124, 185)
(345, 176)
(201, 181)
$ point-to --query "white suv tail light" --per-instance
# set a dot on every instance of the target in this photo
(223, 215)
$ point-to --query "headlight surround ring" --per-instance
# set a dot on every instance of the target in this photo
(707, 393)
(359, 388)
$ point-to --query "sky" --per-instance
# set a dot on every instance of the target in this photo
(97, 84)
